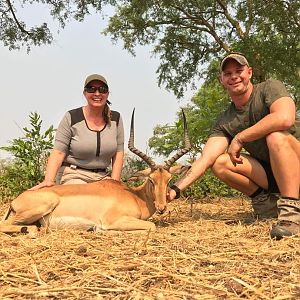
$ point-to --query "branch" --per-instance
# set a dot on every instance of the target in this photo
(250, 13)
(231, 20)
(16, 20)
(291, 13)
(210, 30)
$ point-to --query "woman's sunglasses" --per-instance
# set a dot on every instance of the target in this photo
(92, 89)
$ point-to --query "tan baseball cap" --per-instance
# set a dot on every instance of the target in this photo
(241, 59)
(94, 77)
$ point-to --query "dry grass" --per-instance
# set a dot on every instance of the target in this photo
(213, 254)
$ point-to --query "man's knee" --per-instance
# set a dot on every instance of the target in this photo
(220, 165)
(278, 139)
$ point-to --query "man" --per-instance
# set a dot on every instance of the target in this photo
(262, 120)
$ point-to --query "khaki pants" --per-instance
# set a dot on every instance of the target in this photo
(67, 175)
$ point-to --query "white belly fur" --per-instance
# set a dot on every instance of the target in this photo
(68, 222)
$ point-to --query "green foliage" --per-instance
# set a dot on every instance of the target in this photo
(201, 114)
(165, 139)
(14, 33)
(209, 186)
(187, 36)
(29, 156)
(132, 164)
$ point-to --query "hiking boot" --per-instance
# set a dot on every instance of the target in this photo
(284, 228)
(288, 219)
(265, 205)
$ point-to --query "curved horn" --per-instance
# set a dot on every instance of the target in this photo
(131, 147)
(181, 152)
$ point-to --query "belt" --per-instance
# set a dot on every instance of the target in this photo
(66, 164)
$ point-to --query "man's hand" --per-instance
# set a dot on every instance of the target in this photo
(234, 151)
(171, 194)
(45, 183)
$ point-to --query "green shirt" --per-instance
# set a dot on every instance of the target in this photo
(233, 120)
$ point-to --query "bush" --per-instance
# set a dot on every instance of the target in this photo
(210, 186)
(131, 165)
(29, 157)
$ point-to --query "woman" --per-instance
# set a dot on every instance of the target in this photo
(88, 140)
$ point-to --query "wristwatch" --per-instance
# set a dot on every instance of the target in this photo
(177, 190)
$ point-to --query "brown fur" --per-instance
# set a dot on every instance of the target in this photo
(103, 205)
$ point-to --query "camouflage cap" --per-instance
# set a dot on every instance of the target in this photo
(95, 77)
(241, 59)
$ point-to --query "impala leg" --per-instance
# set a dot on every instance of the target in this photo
(7, 227)
(28, 209)
(127, 223)
(31, 230)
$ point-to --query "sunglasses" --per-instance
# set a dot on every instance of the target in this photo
(92, 89)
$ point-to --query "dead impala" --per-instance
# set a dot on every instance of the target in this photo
(103, 205)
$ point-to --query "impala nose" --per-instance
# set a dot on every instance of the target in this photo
(161, 210)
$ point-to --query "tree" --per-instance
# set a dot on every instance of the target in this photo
(132, 164)
(14, 32)
(201, 114)
(186, 35)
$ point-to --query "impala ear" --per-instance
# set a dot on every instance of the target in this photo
(179, 169)
(140, 175)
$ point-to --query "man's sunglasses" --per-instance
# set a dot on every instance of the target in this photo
(92, 89)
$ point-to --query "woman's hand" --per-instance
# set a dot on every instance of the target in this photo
(45, 183)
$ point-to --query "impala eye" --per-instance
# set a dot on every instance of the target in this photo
(151, 180)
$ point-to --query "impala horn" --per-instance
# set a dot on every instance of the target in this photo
(131, 147)
(181, 152)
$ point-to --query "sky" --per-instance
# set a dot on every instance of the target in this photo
(49, 81)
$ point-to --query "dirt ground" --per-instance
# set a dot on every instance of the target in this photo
(212, 249)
